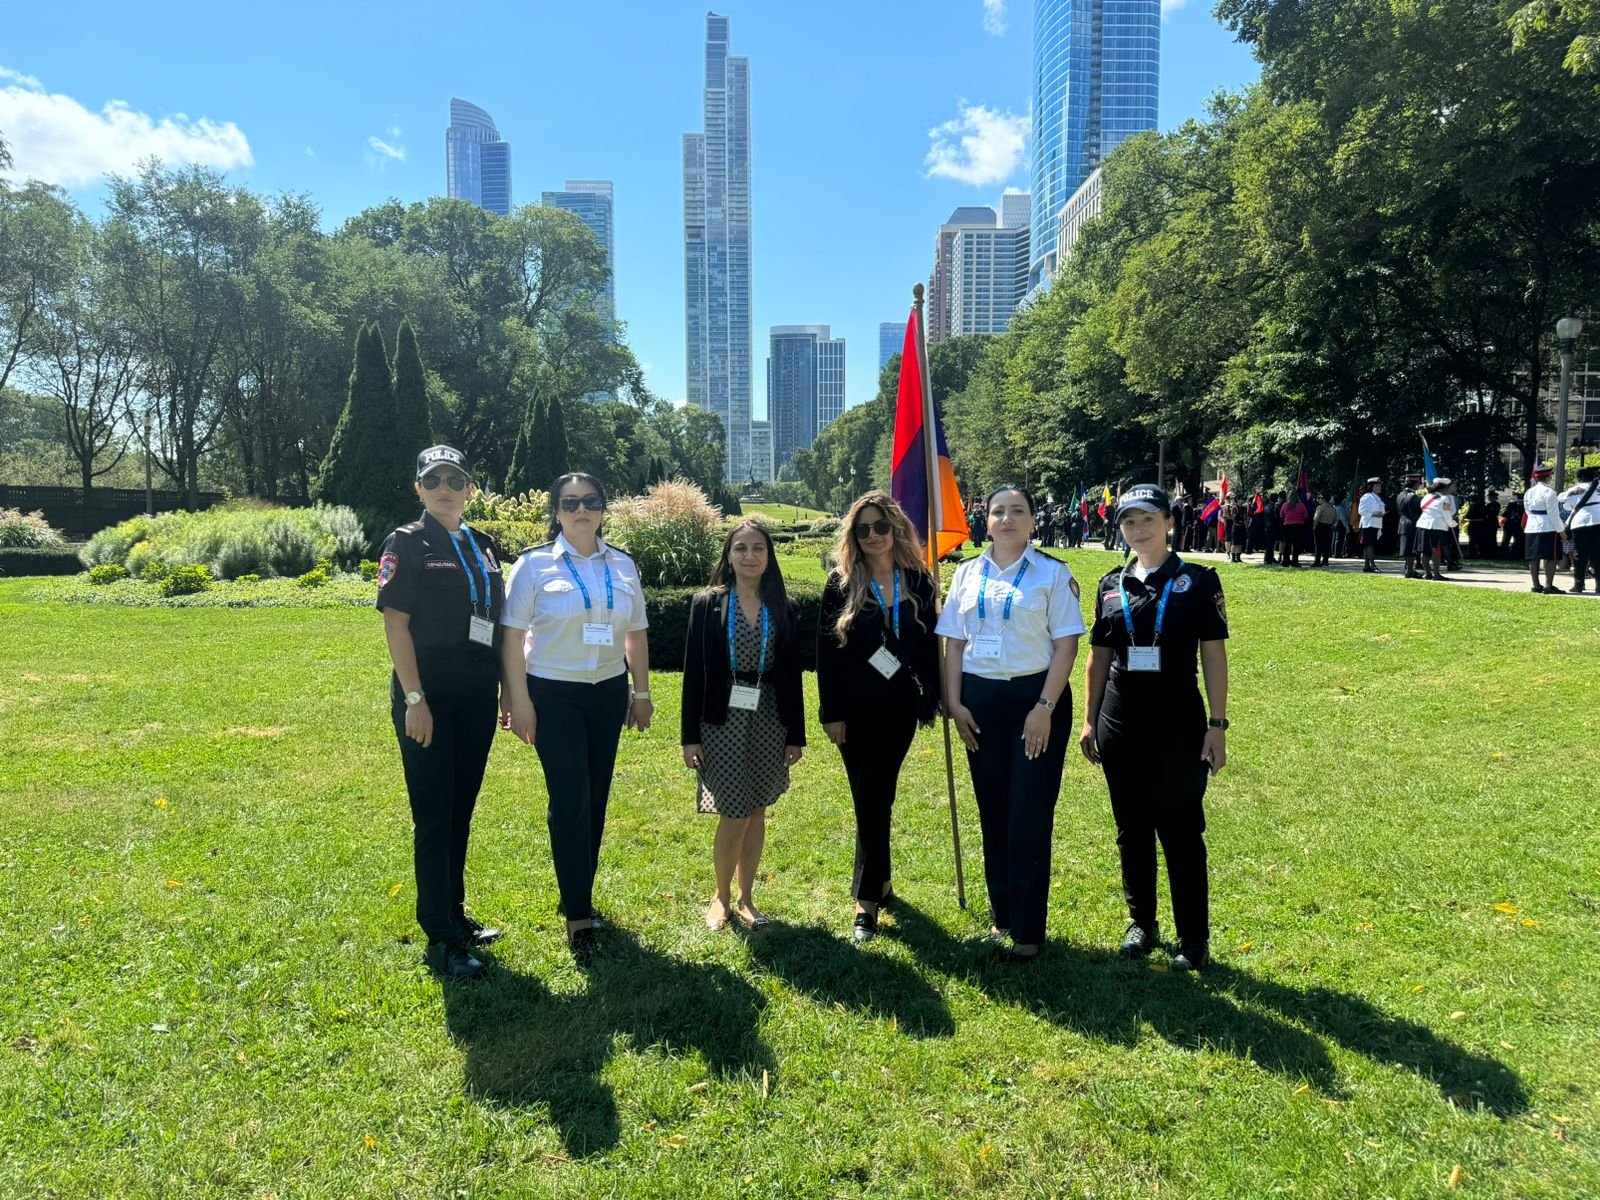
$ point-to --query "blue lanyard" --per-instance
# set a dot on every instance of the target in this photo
(733, 648)
(1161, 609)
(895, 611)
(472, 580)
(578, 579)
(1016, 587)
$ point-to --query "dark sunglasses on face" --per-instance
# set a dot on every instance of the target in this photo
(867, 528)
(432, 480)
(592, 503)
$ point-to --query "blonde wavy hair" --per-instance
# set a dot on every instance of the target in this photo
(853, 573)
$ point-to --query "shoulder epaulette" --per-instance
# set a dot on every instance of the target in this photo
(410, 527)
(540, 546)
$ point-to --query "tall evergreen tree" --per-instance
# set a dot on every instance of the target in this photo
(412, 430)
(358, 470)
(526, 471)
(559, 456)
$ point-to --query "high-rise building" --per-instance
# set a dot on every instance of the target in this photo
(591, 200)
(805, 386)
(937, 315)
(1083, 207)
(762, 463)
(716, 244)
(1096, 82)
(891, 337)
(477, 160)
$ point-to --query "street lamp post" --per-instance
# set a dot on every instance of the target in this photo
(1567, 331)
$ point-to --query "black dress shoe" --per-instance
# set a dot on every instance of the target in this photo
(1191, 956)
(1536, 590)
(451, 961)
(476, 933)
(1011, 956)
(583, 945)
(1139, 941)
(866, 928)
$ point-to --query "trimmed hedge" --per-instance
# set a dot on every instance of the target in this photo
(669, 622)
(48, 561)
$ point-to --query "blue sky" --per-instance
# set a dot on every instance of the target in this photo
(349, 102)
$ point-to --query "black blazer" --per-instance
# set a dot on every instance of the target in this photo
(707, 680)
(849, 687)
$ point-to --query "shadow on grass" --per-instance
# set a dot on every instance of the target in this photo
(1096, 993)
(526, 1046)
(815, 960)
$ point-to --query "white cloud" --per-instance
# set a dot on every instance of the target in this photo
(394, 131)
(310, 153)
(56, 139)
(980, 147)
(383, 153)
(1168, 6)
(994, 17)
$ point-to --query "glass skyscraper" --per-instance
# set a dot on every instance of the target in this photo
(477, 160)
(591, 200)
(716, 248)
(891, 337)
(1096, 82)
(805, 386)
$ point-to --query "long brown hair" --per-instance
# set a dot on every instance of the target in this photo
(773, 592)
(853, 573)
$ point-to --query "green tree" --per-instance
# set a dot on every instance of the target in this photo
(528, 469)
(359, 468)
(412, 429)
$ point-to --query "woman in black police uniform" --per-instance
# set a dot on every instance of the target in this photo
(1144, 722)
(441, 592)
(877, 675)
(1011, 625)
(578, 610)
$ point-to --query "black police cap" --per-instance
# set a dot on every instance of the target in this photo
(1144, 497)
(435, 457)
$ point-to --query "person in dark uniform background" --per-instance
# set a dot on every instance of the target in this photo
(1409, 505)
(441, 592)
(1145, 723)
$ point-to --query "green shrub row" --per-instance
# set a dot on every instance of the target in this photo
(58, 561)
(231, 540)
(27, 531)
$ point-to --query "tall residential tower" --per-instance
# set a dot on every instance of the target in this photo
(716, 248)
(805, 386)
(477, 160)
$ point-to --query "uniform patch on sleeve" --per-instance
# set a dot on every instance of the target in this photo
(1182, 584)
(1222, 607)
(1077, 593)
(387, 566)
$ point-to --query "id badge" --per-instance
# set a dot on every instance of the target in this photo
(480, 631)
(745, 697)
(986, 645)
(596, 633)
(1144, 658)
(885, 663)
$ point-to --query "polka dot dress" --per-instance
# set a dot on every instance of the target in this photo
(744, 767)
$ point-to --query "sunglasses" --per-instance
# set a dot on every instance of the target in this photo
(867, 528)
(457, 483)
(573, 503)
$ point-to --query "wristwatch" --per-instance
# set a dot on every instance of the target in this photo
(1218, 723)
(413, 699)
(1049, 705)
(640, 695)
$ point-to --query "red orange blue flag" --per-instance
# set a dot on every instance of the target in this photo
(915, 420)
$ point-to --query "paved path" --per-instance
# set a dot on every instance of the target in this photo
(1505, 577)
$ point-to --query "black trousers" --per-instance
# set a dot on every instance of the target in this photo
(1016, 797)
(1585, 553)
(1158, 784)
(443, 782)
(873, 753)
(1324, 535)
(579, 726)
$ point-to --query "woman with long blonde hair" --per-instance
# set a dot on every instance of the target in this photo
(877, 676)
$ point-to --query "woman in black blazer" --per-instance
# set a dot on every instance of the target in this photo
(877, 676)
(743, 722)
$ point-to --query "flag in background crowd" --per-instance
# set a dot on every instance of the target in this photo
(1302, 484)
(1083, 502)
(915, 420)
(1429, 471)
(1222, 525)
(1105, 499)
(1211, 509)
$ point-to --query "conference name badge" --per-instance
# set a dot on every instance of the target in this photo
(480, 631)
(884, 662)
(597, 633)
(986, 645)
(745, 697)
(1144, 658)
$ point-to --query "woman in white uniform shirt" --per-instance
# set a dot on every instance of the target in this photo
(582, 607)
(1012, 623)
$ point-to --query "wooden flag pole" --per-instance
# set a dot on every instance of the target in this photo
(935, 515)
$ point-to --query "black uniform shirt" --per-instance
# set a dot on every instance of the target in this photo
(421, 572)
(1196, 612)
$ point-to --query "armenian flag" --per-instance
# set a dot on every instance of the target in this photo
(915, 419)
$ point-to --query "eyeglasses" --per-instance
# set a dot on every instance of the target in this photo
(867, 528)
(573, 503)
(432, 480)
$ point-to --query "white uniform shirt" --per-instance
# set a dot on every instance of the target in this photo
(1438, 512)
(1045, 608)
(1588, 514)
(1372, 510)
(543, 598)
(1543, 508)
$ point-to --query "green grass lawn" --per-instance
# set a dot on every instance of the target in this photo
(783, 512)
(208, 984)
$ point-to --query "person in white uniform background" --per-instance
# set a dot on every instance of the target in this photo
(1582, 504)
(1371, 510)
(581, 610)
(1543, 529)
(1012, 623)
